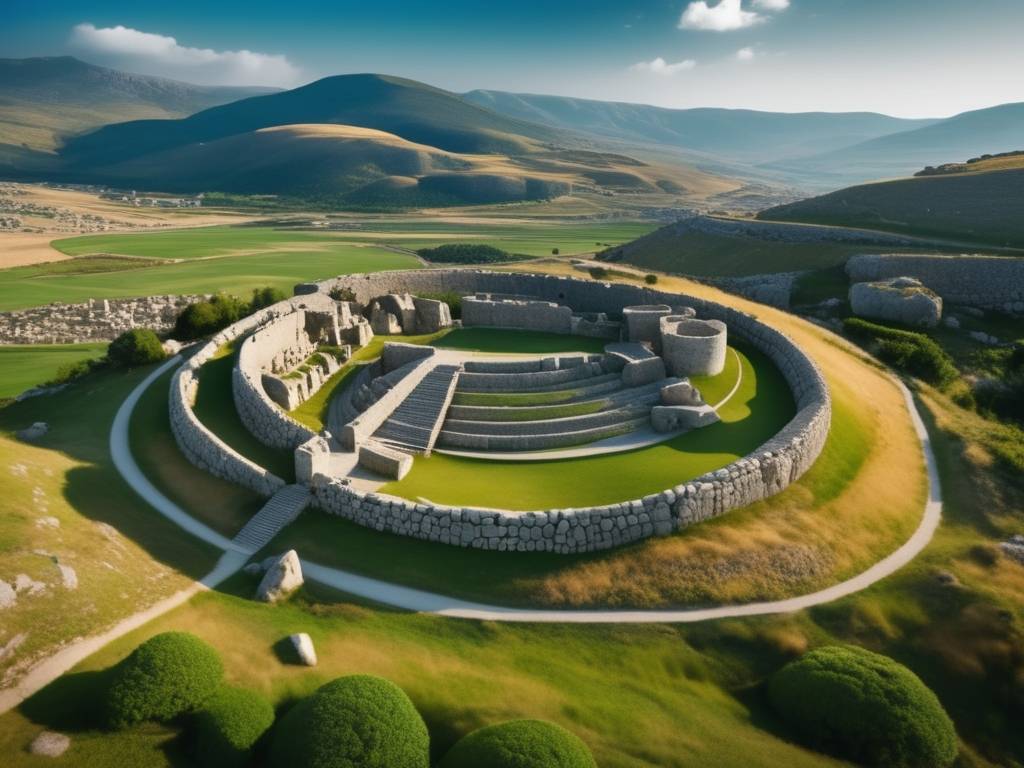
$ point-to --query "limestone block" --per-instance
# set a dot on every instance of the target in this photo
(384, 322)
(669, 418)
(431, 315)
(681, 393)
(283, 577)
(312, 458)
(900, 299)
(384, 461)
(303, 645)
(636, 373)
(397, 354)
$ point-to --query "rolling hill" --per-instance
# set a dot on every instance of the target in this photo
(969, 134)
(978, 202)
(45, 100)
(743, 135)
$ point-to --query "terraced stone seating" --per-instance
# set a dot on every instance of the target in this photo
(414, 424)
(578, 369)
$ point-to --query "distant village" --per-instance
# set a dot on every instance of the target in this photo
(132, 198)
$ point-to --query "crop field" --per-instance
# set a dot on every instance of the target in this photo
(28, 365)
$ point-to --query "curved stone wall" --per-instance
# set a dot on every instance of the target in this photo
(763, 473)
(642, 323)
(693, 347)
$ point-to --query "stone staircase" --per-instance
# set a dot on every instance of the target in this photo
(280, 510)
(414, 425)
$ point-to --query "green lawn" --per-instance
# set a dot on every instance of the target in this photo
(760, 407)
(26, 366)
(215, 407)
(32, 286)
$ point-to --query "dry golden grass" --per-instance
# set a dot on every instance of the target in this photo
(807, 537)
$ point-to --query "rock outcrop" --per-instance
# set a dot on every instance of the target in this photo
(283, 576)
(900, 299)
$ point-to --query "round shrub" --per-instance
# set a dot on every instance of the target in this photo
(228, 726)
(520, 744)
(351, 722)
(651, 279)
(168, 675)
(139, 346)
(865, 707)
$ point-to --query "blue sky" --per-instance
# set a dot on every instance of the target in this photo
(902, 57)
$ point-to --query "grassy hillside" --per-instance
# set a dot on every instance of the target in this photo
(996, 129)
(43, 100)
(739, 134)
(981, 204)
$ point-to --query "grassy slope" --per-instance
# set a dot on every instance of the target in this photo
(982, 207)
(26, 366)
(124, 554)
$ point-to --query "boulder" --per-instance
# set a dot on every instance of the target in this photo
(636, 373)
(383, 322)
(33, 433)
(431, 315)
(899, 299)
(283, 576)
(50, 744)
(681, 393)
(303, 645)
(8, 595)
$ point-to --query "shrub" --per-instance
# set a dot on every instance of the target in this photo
(67, 372)
(168, 675)
(465, 253)
(520, 744)
(555, 251)
(205, 317)
(598, 273)
(139, 346)
(354, 721)
(864, 707)
(452, 298)
(907, 351)
(228, 727)
(264, 297)
(342, 294)
(650, 279)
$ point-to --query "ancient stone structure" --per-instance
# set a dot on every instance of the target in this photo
(988, 282)
(495, 311)
(766, 471)
(693, 347)
(900, 299)
(94, 320)
(643, 323)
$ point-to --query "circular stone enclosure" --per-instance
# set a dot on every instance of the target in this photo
(693, 347)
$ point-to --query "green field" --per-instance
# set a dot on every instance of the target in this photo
(26, 366)
(758, 410)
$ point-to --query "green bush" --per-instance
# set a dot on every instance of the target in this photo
(598, 273)
(555, 251)
(864, 707)
(520, 744)
(203, 318)
(907, 351)
(465, 253)
(650, 279)
(351, 722)
(68, 372)
(264, 297)
(139, 346)
(168, 675)
(228, 727)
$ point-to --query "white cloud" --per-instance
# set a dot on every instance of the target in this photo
(659, 66)
(745, 54)
(162, 55)
(772, 5)
(726, 16)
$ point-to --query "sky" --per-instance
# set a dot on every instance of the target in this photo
(909, 58)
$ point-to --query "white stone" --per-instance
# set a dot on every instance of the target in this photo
(68, 576)
(8, 597)
(303, 645)
(282, 578)
(901, 299)
(50, 744)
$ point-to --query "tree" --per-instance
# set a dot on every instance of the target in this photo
(139, 346)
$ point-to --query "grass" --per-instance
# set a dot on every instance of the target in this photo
(87, 265)
(760, 407)
(28, 365)
(64, 503)
(215, 408)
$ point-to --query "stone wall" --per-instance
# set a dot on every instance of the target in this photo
(496, 312)
(763, 473)
(94, 320)
(988, 282)
(693, 347)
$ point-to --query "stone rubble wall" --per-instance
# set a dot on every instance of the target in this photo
(516, 313)
(527, 381)
(93, 320)
(763, 473)
(693, 347)
(987, 282)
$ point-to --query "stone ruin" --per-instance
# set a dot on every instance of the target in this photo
(900, 299)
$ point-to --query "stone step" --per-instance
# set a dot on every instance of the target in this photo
(412, 426)
(280, 510)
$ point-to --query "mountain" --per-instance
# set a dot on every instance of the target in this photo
(969, 134)
(412, 110)
(742, 135)
(978, 202)
(44, 100)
